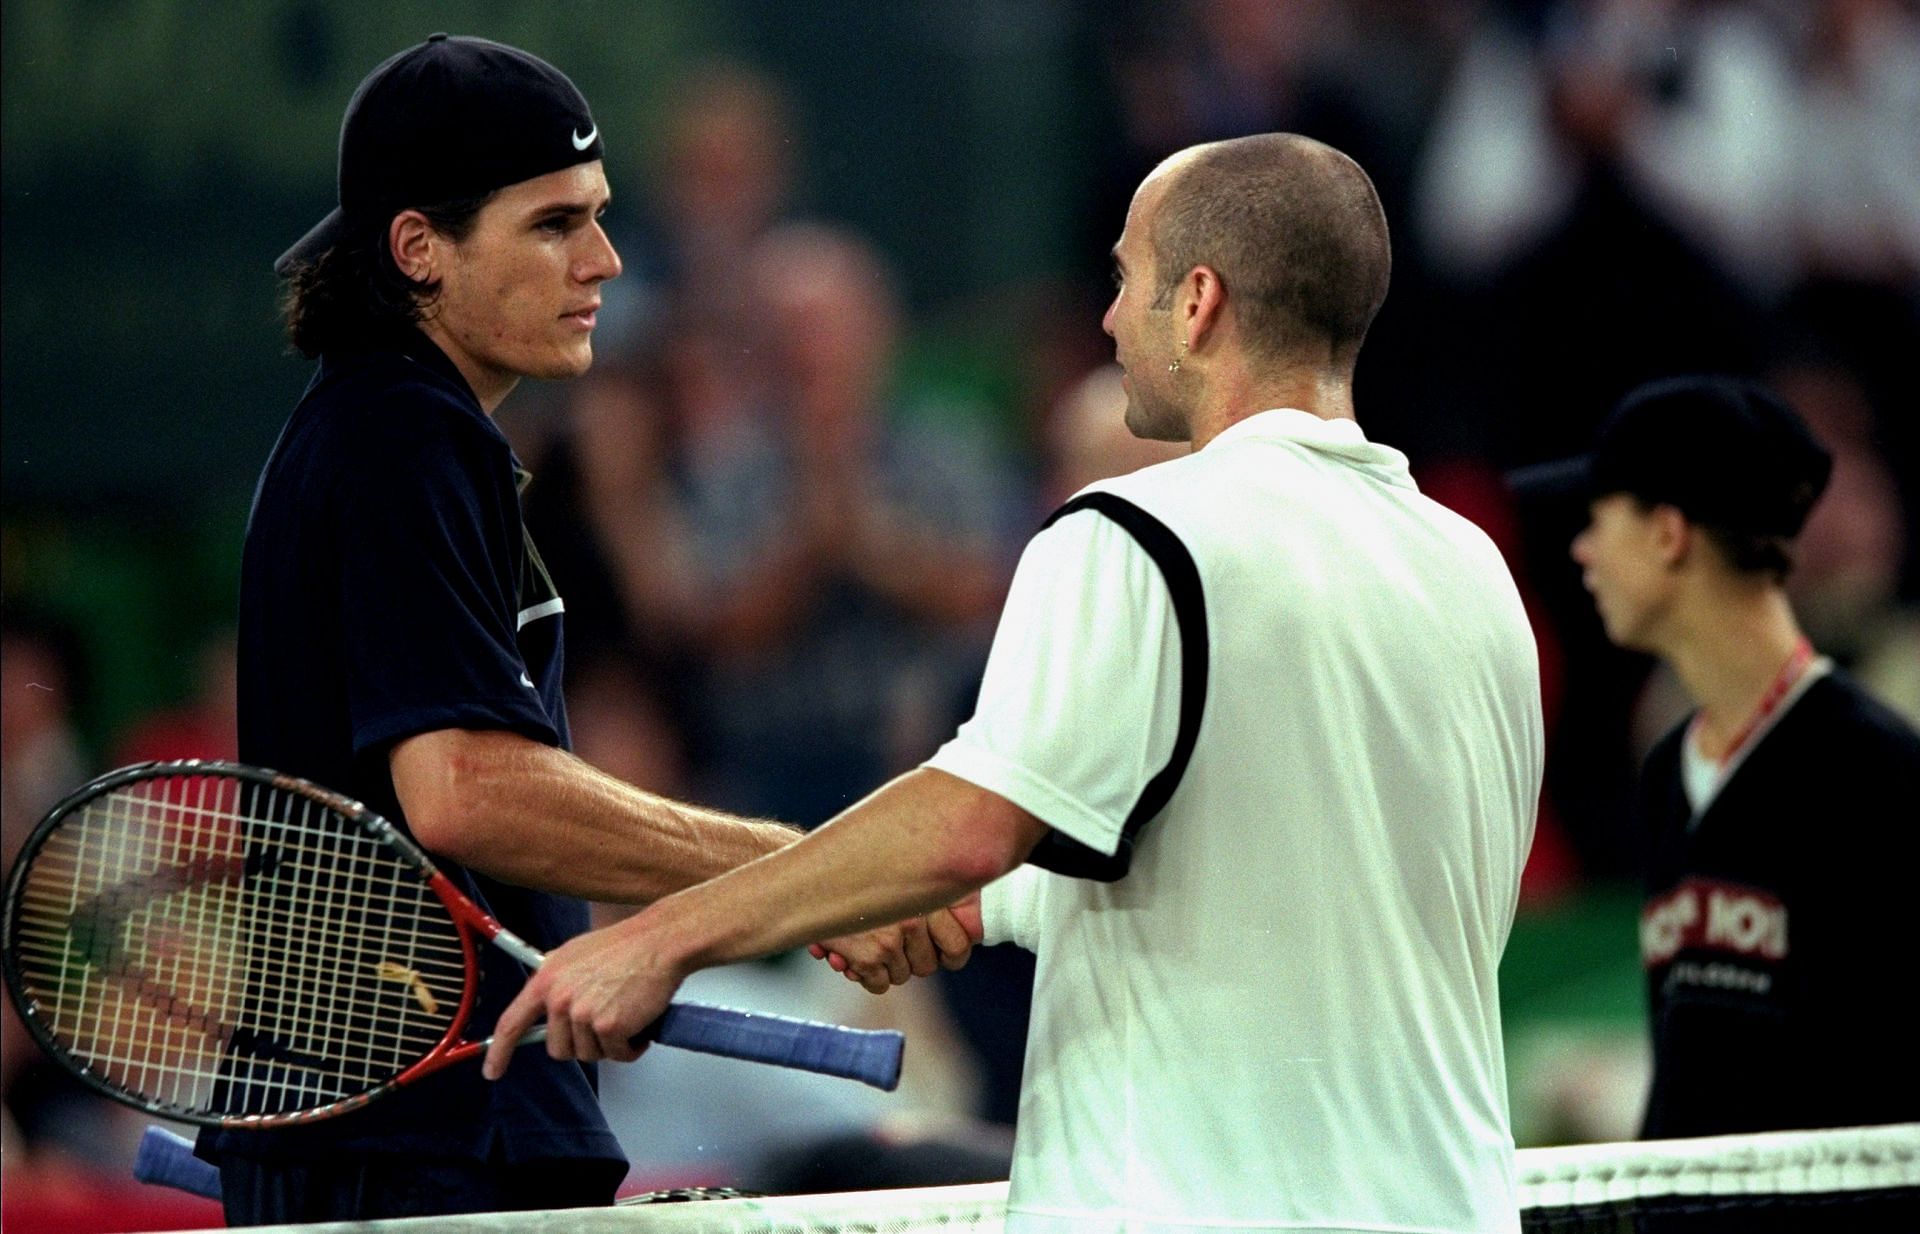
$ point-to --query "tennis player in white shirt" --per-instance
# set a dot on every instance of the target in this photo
(1260, 739)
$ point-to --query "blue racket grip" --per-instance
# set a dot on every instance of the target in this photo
(167, 1160)
(871, 1056)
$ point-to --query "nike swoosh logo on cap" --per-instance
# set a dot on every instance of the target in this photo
(581, 143)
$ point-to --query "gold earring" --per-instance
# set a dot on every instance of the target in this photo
(1174, 365)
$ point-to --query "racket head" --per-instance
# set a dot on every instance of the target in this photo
(228, 946)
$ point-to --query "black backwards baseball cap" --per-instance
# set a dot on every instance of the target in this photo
(449, 118)
(1726, 452)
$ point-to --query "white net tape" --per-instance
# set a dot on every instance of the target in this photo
(1781, 1163)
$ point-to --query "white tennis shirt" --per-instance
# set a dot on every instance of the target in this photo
(1284, 1015)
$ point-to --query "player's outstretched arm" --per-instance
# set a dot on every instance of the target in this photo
(921, 843)
(535, 816)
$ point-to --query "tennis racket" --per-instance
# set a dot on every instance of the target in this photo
(233, 947)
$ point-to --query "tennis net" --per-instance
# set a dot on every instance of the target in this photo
(1850, 1181)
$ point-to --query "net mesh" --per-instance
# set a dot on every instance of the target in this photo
(1853, 1181)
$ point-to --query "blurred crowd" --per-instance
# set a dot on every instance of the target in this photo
(783, 537)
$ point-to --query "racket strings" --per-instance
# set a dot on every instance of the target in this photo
(216, 945)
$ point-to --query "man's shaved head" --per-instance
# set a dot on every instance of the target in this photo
(1293, 228)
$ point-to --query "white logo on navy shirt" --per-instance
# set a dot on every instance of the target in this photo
(1701, 914)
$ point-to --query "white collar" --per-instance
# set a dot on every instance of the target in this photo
(1342, 438)
(1702, 778)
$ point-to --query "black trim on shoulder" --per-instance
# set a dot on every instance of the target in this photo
(1062, 854)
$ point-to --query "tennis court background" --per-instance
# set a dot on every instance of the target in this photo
(157, 156)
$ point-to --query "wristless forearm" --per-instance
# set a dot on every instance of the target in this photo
(903, 851)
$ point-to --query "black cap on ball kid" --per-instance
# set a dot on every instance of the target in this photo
(450, 118)
(1724, 450)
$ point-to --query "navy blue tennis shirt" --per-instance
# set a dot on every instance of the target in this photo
(388, 588)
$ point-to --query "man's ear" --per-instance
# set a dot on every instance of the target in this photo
(1201, 306)
(416, 247)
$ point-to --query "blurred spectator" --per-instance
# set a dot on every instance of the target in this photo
(1241, 66)
(678, 460)
(1774, 137)
(1494, 179)
(1786, 123)
(1576, 305)
(838, 554)
(724, 176)
(729, 148)
(1707, 98)
(596, 496)
(1684, 182)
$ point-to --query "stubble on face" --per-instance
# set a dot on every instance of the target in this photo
(518, 298)
(1142, 328)
(1153, 417)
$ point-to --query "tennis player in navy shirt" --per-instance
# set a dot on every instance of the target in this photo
(401, 640)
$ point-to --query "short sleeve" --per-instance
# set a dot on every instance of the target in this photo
(1080, 706)
(1012, 907)
(430, 533)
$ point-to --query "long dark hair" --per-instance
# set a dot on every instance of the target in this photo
(353, 295)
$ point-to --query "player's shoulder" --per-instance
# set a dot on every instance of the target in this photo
(1121, 509)
(1468, 536)
(1846, 713)
(1158, 485)
(391, 402)
(360, 384)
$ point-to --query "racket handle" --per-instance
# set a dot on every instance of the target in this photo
(871, 1056)
(167, 1160)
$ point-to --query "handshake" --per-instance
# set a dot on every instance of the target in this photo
(882, 958)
